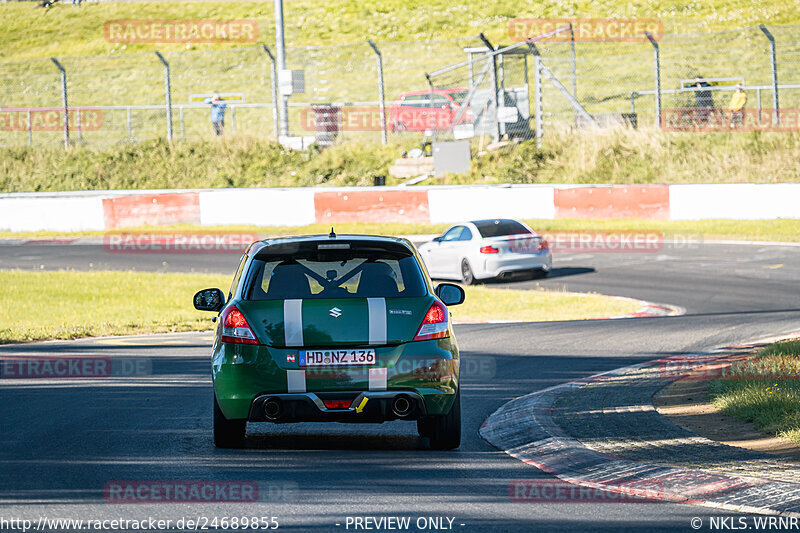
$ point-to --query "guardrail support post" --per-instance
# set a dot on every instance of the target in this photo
(773, 64)
(168, 92)
(275, 112)
(657, 76)
(63, 101)
(381, 101)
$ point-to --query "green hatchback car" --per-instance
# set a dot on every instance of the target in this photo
(334, 328)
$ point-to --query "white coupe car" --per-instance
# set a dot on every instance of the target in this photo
(485, 249)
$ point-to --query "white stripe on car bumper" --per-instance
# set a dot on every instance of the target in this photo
(296, 381)
(377, 321)
(377, 379)
(293, 322)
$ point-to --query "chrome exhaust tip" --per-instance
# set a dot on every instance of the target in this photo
(272, 409)
(401, 406)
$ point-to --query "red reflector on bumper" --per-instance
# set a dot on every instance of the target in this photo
(337, 404)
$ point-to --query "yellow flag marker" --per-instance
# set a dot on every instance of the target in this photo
(362, 404)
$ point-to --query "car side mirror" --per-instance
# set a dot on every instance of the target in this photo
(450, 294)
(209, 300)
(438, 239)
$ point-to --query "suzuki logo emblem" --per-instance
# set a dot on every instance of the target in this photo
(336, 312)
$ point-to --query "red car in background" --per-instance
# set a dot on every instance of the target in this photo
(415, 111)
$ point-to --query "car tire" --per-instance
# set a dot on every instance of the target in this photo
(227, 433)
(467, 277)
(445, 430)
(425, 426)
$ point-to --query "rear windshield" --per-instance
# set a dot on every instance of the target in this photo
(306, 271)
(500, 227)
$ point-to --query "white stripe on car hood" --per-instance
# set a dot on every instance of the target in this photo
(377, 320)
(293, 322)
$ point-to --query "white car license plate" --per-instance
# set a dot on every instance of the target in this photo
(333, 357)
(525, 246)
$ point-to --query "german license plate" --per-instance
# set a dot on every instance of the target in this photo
(525, 246)
(334, 357)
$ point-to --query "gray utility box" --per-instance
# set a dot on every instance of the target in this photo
(451, 157)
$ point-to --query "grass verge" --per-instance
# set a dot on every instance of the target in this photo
(621, 156)
(784, 230)
(773, 403)
(68, 305)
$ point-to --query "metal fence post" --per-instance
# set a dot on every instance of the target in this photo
(280, 50)
(657, 76)
(494, 86)
(537, 93)
(573, 62)
(274, 84)
(775, 106)
(63, 100)
(574, 65)
(758, 97)
(168, 92)
(381, 101)
(430, 95)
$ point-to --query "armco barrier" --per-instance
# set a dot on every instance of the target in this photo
(165, 209)
(106, 210)
(257, 207)
(371, 205)
(628, 201)
(740, 201)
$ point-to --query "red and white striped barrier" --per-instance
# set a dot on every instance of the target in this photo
(106, 210)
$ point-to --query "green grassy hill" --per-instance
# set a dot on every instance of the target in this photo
(327, 40)
(27, 32)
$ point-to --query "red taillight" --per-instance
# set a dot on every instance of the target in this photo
(235, 327)
(544, 244)
(337, 404)
(489, 250)
(434, 325)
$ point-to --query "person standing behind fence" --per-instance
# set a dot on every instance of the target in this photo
(217, 113)
(705, 101)
(736, 106)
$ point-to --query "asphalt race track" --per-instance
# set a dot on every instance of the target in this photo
(64, 441)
